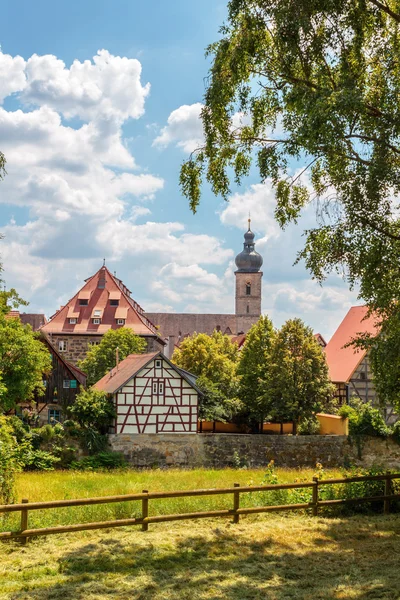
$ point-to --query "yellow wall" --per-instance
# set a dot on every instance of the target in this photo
(276, 428)
(333, 425)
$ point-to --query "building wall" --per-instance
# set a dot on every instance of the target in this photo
(157, 400)
(78, 345)
(223, 450)
(248, 305)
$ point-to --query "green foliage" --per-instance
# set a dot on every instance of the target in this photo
(309, 426)
(213, 358)
(298, 383)
(318, 83)
(10, 462)
(102, 358)
(40, 460)
(100, 461)
(364, 419)
(24, 360)
(254, 369)
(93, 409)
(396, 432)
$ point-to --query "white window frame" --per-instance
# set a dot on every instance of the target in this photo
(96, 321)
(66, 384)
(155, 387)
(120, 321)
(161, 387)
(158, 364)
(62, 345)
(97, 313)
(72, 321)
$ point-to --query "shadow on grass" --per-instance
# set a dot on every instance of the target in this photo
(350, 559)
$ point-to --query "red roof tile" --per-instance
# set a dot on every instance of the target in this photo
(127, 369)
(97, 291)
(342, 362)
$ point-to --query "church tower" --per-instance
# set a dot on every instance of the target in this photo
(248, 284)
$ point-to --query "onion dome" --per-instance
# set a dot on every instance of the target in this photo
(248, 261)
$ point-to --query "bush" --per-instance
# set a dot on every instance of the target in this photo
(396, 432)
(309, 426)
(92, 409)
(10, 461)
(101, 460)
(40, 460)
(364, 419)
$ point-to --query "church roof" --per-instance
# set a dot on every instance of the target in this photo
(343, 361)
(104, 297)
(248, 260)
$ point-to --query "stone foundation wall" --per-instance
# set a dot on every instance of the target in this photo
(225, 450)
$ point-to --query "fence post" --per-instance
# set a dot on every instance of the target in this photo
(315, 497)
(24, 521)
(386, 503)
(145, 510)
(236, 503)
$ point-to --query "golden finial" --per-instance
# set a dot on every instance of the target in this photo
(249, 221)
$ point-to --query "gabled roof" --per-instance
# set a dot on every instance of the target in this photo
(130, 366)
(342, 362)
(97, 292)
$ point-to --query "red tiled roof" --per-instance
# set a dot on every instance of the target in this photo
(127, 369)
(13, 314)
(98, 290)
(342, 362)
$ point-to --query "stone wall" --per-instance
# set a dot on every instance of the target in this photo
(242, 300)
(225, 450)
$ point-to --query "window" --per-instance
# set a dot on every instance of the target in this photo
(96, 321)
(158, 364)
(102, 284)
(247, 308)
(66, 384)
(154, 387)
(120, 321)
(72, 321)
(161, 387)
(83, 302)
(93, 343)
(62, 345)
(248, 289)
(114, 302)
(53, 415)
(362, 375)
(97, 313)
(44, 382)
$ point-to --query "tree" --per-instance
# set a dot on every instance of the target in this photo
(213, 358)
(298, 383)
(92, 409)
(253, 369)
(100, 359)
(315, 81)
(23, 360)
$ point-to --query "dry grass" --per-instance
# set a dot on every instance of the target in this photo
(274, 558)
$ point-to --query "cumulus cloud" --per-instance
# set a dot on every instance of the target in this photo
(184, 128)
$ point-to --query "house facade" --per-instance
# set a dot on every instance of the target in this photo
(103, 303)
(151, 395)
(61, 387)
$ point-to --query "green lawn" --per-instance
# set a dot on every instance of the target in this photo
(274, 558)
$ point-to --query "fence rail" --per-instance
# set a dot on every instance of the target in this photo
(25, 506)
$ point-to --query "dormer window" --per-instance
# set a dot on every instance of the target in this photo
(120, 321)
(248, 289)
(114, 302)
(83, 302)
(72, 321)
(97, 313)
(96, 321)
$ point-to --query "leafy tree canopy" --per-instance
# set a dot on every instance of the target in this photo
(298, 385)
(100, 359)
(213, 358)
(92, 409)
(253, 368)
(316, 81)
(23, 361)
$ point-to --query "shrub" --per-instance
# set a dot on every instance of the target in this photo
(10, 462)
(396, 432)
(309, 426)
(93, 409)
(101, 460)
(364, 419)
(40, 460)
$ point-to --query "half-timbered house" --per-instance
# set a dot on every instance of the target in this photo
(151, 395)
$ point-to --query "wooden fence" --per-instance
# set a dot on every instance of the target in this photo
(144, 520)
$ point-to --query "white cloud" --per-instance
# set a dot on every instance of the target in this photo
(184, 129)
(12, 75)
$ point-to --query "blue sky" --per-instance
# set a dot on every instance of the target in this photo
(94, 142)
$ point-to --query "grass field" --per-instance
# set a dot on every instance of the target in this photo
(274, 557)
(57, 485)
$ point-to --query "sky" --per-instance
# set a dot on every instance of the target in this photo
(99, 106)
